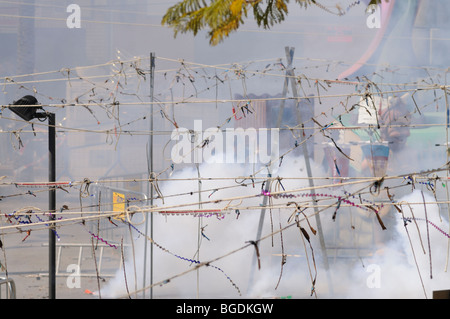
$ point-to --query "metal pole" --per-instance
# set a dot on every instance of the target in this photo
(152, 86)
(290, 73)
(52, 204)
(150, 195)
(268, 183)
(290, 55)
(258, 234)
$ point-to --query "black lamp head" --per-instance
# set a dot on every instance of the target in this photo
(26, 113)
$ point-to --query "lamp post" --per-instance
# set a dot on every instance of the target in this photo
(28, 113)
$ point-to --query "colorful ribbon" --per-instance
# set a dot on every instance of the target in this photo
(101, 239)
(428, 183)
(181, 257)
(409, 219)
(19, 220)
(54, 231)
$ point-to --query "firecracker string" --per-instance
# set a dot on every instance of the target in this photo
(339, 198)
(102, 240)
(428, 183)
(197, 213)
(410, 219)
(54, 231)
(181, 257)
(19, 220)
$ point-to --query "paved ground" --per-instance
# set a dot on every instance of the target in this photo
(26, 257)
(27, 263)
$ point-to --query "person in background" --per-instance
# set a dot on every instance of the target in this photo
(394, 121)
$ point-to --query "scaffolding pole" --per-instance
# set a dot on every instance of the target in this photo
(290, 77)
(150, 186)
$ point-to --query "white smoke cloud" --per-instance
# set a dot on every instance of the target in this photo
(402, 264)
(388, 271)
(426, 237)
(179, 234)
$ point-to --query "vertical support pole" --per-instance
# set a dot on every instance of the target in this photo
(268, 182)
(447, 108)
(52, 204)
(200, 225)
(290, 77)
(150, 176)
(260, 226)
(152, 86)
(291, 74)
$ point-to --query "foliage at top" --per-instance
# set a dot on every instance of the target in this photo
(221, 17)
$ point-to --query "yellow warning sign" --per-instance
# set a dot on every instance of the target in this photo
(118, 204)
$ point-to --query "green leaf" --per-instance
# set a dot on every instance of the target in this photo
(222, 17)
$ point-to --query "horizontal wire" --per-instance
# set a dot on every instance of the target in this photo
(222, 101)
